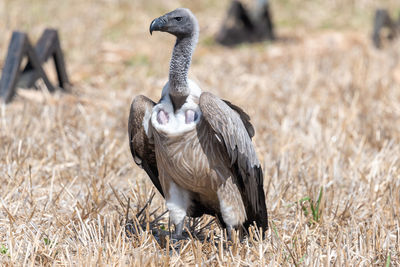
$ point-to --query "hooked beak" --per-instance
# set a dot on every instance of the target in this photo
(157, 24)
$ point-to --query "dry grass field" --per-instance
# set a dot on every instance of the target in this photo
(324, 102)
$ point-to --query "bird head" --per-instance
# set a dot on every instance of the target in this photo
(181, 22)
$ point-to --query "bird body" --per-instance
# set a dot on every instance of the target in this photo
(194, 168)
(195, 147)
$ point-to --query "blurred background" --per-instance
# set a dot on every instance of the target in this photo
(99, 35)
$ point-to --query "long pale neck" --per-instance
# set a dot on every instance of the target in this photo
(179, 66)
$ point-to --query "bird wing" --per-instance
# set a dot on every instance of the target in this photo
(141, 148)
(244, 117)
(227, 123)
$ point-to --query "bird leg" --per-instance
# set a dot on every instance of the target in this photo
(177, 204)
(178, 230)
(229, 229)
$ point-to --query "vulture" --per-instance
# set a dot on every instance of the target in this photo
(195, 147)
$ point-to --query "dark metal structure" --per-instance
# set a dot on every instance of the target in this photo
(14, 75)
(383, 20)
(243, 25)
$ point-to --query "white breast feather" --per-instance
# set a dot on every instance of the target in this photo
(176, 124)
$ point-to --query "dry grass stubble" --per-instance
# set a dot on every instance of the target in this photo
(325, 107)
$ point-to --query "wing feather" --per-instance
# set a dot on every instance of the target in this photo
(231, 124)
(244, 117)
(141, 148)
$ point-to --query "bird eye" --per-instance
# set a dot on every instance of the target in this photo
(178, 18)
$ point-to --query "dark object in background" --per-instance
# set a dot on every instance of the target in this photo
(12, 76)
(241, 25)
(382, 20)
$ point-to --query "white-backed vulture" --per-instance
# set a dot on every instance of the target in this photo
(195, 147)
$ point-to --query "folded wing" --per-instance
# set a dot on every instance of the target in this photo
(141, 148)
(231, 124)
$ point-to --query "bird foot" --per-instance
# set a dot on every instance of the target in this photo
(176, 237)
